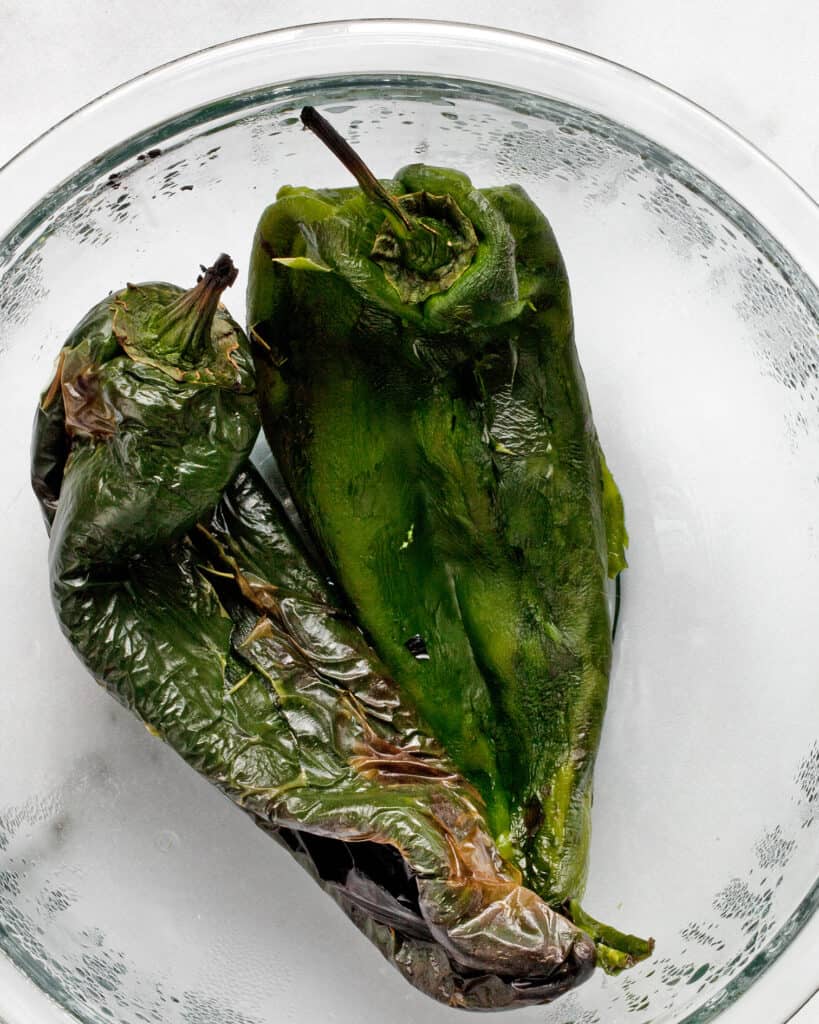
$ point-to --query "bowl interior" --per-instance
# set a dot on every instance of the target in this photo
(132, 891)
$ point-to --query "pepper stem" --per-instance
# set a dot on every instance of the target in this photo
(370, 185)
(616, 951)
(190, 317)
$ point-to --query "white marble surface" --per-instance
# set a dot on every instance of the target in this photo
(750, 62)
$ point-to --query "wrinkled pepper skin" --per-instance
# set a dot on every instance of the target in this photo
(225, 641)
(152, 411)
(438, 441)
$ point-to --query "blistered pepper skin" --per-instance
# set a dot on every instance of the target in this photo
(443, 454)
(152, 411)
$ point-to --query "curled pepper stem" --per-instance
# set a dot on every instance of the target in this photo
(370, 185)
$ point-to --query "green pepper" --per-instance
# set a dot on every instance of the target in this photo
(210, 623)
(421, 391)
(152, 409)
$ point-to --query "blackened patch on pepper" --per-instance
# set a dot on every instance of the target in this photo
(417, 647)
(533, 816)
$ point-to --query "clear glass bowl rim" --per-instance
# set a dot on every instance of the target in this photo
(39, 178)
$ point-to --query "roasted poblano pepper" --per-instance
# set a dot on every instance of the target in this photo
(153, 409)
(188, 596)
(420, 388)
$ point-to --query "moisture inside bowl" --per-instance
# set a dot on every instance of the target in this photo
(130, 890)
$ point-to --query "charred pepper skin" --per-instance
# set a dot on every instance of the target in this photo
(440, 446)
(210, 624)
(153, 411)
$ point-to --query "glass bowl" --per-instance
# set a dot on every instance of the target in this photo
(130, 890)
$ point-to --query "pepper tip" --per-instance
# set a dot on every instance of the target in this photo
(309, 116)
(221, 275)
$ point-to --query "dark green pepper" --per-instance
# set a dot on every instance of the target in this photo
(209, 622)
(421, 391)
(152, 411)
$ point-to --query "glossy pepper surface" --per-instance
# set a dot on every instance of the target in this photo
(210, 623)
(152, 411)
(420, 388)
